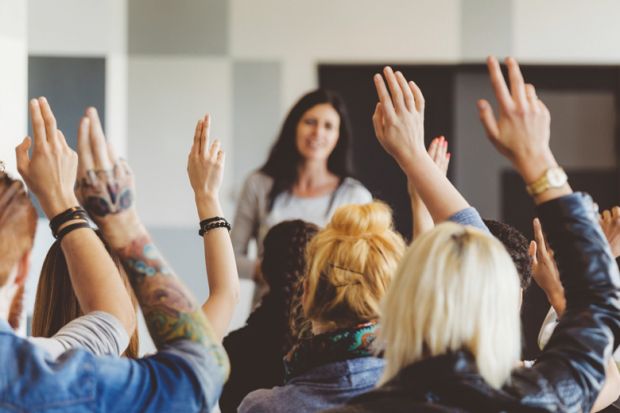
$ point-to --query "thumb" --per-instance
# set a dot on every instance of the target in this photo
(532, 252)
(21, 156)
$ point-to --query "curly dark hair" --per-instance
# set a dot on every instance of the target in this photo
(517, 246)
(283, 267)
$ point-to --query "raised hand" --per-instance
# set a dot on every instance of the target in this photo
(50, 172)
(521, 133)
(105, 184)
(610, 223)
(438, 151)
(205, 167)
(545, 270)
(399, 116)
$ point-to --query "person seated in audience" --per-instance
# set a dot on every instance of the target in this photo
(205, 168)
(350, 266)
(450, 325)
(56, 303)
(267, 329)
(191, 366)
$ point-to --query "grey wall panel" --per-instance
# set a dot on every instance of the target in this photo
(189, 27)
(70, 84)
(257, 114)
(477, 164)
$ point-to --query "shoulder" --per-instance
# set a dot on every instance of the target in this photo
(263, 400)
(354, 191)
(258, 179)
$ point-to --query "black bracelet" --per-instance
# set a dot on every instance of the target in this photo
(68, 215)
(213, 223)
(70, 228)
(210, 220)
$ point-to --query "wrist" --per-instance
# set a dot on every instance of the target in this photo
(208, 206)
(532, 166)
(54, 207)
(120, 229)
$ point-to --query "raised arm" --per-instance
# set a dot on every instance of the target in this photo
(399, 125)
(422, 219)
(50, 174)
(574, 361)
(205, 167)
(106, 189)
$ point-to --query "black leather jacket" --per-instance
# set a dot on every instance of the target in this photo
(568, 375)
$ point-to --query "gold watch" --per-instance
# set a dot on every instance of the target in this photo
(552, 178)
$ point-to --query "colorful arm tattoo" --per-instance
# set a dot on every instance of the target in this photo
(170, 311)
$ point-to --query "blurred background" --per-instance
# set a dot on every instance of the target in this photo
(153, 67)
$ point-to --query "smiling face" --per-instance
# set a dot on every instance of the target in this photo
(317, 132)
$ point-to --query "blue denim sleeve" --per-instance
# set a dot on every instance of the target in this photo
(184, 377)
(469, 216)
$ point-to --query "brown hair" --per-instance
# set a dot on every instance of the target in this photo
(350, 265)
(56, 303)
(18, 223)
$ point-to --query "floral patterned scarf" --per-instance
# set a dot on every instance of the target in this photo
(330, 347)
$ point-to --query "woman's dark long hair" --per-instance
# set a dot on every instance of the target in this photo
(283, 267)
(284, 157)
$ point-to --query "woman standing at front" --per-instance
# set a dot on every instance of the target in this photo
(307, 175)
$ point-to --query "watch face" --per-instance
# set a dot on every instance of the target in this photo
(556, 177)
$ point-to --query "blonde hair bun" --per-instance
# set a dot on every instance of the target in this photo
(364, 220)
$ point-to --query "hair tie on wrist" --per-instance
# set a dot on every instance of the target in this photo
(208, 224)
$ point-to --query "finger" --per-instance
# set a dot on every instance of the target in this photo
(443, 149)
(615, 212)
(397, 95)
(488, 120)
(197, 133)
(517, 84)
(432, 149)
(215, 148)
(38, 125)
(21, 156)
(97, 142)
(539, 237)
(407, 93)
(418, 96)
(221, 156)
(384, 97)
(606, 215)
(377, 120)
(49, 120)
(85, 155)
(532, 98)
(204, 135)
(499, 85)
(531, 251)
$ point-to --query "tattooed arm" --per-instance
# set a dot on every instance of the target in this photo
(106, 189)
(205, 167)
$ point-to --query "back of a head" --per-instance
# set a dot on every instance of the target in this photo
(455, 289)
(56, 303)
(18, 222)
(517, 246)
(351, 264)
(283, 267)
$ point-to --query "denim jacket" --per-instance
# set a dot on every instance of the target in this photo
(320, 388)
(182, 377)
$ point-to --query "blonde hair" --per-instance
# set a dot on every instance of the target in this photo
(350, 265)
(456, 288)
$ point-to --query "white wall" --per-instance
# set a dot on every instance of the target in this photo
(13, 79)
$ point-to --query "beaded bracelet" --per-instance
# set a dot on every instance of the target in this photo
(213, 223)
